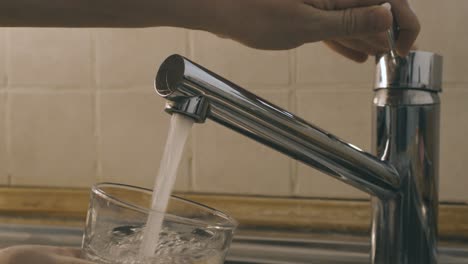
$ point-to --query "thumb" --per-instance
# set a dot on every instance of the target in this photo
(356, 21)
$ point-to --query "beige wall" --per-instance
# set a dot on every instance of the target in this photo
(77, 106)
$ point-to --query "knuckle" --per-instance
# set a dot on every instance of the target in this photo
(417, 26)
(348, 21)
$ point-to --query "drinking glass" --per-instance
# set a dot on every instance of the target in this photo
(117, 214)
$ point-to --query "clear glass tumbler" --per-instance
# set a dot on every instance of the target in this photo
(117, 214)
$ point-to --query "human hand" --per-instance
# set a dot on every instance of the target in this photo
(353, 28)
(27, 254)
(286, 24)
(359, 47)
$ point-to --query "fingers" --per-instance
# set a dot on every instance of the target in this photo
(344, 18)
(409, 27)
(355, 22)
(70, 260)
(70, 252)
(341, 4)
(40, 255)
(62, 251)
(344, 4)
(347, 52)
(363, 46)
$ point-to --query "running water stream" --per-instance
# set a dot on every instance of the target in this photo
(179, 130)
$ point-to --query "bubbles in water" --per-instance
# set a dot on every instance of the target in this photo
(189, 246)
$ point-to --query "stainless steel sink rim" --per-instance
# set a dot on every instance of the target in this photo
(255, 249)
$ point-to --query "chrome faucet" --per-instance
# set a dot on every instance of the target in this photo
(402, 177)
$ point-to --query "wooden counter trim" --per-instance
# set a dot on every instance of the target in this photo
(68, 206)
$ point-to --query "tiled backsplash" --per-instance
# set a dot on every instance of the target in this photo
(77, 106)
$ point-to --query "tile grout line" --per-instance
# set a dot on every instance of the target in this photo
(7, 138)
(191, 44)
(92, 55)
(8, 143)
(293, 106)
(187, 48)
(97, 133)
(190, 50)
(325, 87)
(293, 164)
(292, 67)
(189, 168)
(192, 168)
(20, 90)
(97, 107)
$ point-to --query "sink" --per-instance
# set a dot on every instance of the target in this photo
(39, 235)
(247, 247)
(326, 249)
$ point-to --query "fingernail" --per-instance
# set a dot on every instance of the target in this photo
(402, 53)
(387, 6)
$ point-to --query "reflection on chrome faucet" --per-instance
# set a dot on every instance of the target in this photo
(402, 177)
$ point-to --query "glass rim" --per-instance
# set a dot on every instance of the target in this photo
(231, 223)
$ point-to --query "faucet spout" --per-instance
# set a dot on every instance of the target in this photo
(198, 93)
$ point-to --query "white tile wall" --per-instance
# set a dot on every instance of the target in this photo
(317, 64)
(127, 58)
(345, 112)
(226, 162)
(3, 75)
(445, 31)
(454, 144)
(52, 139)
(239, 64)
(49, 58)
(82, 109)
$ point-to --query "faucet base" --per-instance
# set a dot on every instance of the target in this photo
(406, 134)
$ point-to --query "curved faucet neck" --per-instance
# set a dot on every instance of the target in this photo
(402, 181)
